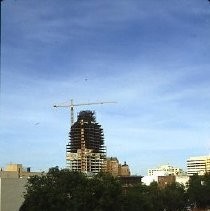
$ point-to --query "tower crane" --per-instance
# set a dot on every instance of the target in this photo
(72, 105)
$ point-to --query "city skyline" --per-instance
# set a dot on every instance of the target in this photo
(152, 57)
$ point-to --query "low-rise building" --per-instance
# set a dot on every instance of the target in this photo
(165, 174)
(11, 193)
(165, 170)
(181, 179)
(12, 186)
(163, 181)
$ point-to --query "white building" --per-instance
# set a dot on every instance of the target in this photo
(182, 179)
(198, 165)
(164, 170)
(147, 180)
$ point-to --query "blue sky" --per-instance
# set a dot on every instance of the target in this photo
(150, 56)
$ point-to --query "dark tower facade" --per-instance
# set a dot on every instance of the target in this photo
(85, 151)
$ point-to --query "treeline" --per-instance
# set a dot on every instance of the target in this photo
(63, 190)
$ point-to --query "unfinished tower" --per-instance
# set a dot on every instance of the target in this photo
(85, 151)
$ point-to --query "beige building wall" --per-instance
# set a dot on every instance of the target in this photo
(124, 170)
(8, 174)
(112, 166)
(12, 186)
(14, 167)
(11, 193)
(115, 168)
(17, 171)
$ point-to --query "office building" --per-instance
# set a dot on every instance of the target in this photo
(198, 165)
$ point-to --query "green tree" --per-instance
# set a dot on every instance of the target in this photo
(156, 197)
(105, 192)
(54, 191)
(64, 190)
(174, 197)
(138, 198)
(153, 198)
(199, 191)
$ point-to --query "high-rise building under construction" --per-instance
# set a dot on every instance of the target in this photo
(85, 151)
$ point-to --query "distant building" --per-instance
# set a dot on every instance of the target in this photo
(115, 168)
(124, 170)
(12, 186)
(18, 170)
(198, 165)
(129, 181)
(163, 181)
(181, 179)
(112, 166)
(165, 170)
(86, 151)
(147, 180)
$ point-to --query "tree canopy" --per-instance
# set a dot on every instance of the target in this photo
(64, 190)
(199, 191)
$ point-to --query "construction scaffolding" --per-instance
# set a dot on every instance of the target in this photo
(85, 151)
